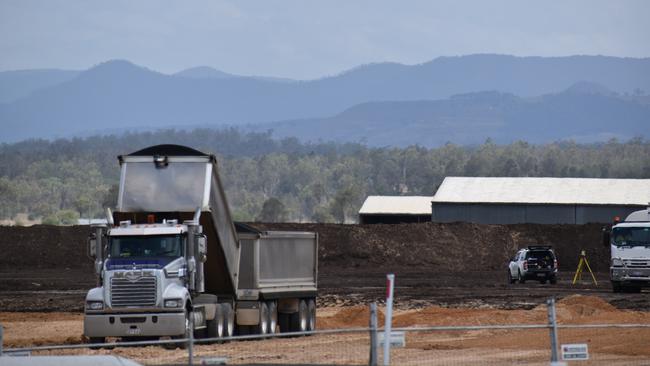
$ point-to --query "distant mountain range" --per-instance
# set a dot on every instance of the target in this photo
(584, 113)
(118, 95)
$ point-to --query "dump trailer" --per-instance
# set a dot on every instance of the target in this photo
(171, 261)
(629, 244)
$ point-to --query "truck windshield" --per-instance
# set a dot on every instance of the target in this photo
(631, 236)
(146, 246)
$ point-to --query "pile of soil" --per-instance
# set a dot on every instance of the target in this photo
(424, 246)
(451, 247)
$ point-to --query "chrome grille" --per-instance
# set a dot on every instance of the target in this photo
(141, 292)
(635, 263)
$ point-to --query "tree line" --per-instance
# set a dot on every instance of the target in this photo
(285, 180)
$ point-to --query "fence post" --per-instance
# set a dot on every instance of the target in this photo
(373, 334)
(190, 341)
(552, 323)
(389, 317)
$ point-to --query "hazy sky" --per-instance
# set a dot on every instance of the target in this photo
(309, 39)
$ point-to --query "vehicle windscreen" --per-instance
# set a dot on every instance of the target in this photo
(540, 255)
(631, 236)
(145, 246)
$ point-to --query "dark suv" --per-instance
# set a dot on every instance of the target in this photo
(537, 262)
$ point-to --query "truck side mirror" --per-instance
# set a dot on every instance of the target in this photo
(92, 244)
(202, 245)
(607, 236)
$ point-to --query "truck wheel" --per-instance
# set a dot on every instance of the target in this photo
(216, 325)
(311, 311)
(510, 279)
(186, 334)
(543, 282)
(299, 319)
(263, 326)
(228, 320)
(616, 287)
(553, 280)
(273, 316)
(520, 278)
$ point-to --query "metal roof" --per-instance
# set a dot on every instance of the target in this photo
(405, 205)
(588, 191)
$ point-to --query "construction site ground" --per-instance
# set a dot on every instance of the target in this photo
(446, 274)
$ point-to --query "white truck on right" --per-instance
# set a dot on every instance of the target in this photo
(629, 242)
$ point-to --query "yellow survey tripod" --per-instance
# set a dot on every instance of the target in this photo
(581, 266)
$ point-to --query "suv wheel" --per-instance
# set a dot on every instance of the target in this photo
(520, 278)
(510, 279)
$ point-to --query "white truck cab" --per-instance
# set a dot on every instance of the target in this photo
(143, 289)
(629, 243)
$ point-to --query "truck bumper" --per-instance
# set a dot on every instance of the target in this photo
(134, 325)
(636, 275)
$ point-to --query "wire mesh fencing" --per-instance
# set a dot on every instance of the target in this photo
(507, 344)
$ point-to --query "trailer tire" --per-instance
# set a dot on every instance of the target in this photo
(311, 311)
(299, 320)
(273, 316)
(262, 326)
(216, 326)
(228, 320)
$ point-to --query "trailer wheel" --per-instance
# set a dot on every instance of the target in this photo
(273, 316)
(228, 320)
(216, 325)
(311, 310)
(299, 320)
(263, 326)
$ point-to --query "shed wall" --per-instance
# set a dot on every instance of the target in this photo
(392, 218)
(527, 213)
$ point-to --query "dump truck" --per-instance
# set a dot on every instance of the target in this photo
(629, 243)
(171, 261)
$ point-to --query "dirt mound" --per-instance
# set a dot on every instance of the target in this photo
(44, 246)
(350, 317)
(447, 247)
(425, 247)
(574, 309)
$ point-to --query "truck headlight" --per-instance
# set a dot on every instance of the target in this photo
(95, 305)
(173, 303)
(617, 262)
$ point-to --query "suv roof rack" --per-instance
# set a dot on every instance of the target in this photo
(533, 247)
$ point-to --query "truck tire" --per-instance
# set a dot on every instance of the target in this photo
(616, 287)
(273, 316)
(553, 280)
(311, 311)
(186, 334)
(510, 279)
(263, 326)
(216, 326)
(228, 320)
(299, 320)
